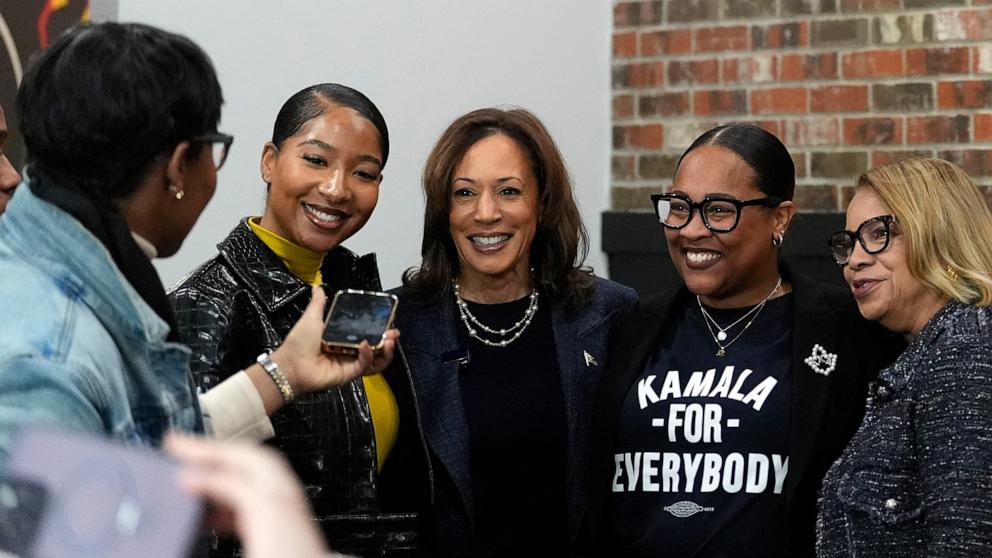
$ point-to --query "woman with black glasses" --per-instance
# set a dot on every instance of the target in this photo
(916, 479)
(736, 390)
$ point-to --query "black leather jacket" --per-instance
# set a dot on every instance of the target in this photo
(242, 302)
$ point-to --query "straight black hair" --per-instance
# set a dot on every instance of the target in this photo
(309, 103)
(105, 102)
(774, 171)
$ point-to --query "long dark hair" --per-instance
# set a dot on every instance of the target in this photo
(561, 243)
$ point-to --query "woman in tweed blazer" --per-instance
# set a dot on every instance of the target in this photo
(916, 480)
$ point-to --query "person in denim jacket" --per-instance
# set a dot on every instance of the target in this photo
(120, 123)
(916, 479)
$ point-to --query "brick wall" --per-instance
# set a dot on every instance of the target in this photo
(845, 84)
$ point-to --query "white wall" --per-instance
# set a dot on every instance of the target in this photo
(423, 62)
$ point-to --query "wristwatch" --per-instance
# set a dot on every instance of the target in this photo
(272, 369)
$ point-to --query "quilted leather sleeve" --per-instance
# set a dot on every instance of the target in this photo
(204, 310)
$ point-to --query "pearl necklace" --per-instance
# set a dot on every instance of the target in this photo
(721, 334)
(514, 332)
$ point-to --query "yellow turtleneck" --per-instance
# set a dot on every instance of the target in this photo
(305, 264)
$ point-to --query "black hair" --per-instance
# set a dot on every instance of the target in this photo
(774, 171)
(309, 103)
(105, 102)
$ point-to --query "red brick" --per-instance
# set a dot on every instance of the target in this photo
(716, 39)
(964, 94)
(839, 98)
(816, 197)
(975, 162)
(788, 100)
(664, 104)
(759, 68)
(977, 24)
(674, 41)
(872, 63)
(648, 136)
(719, 102)
(625, 44)
(780, 35)
(937, 129)
(623, 167)
(872, 131)
(647, 74)
(797, 67)
(681, 72)
(773, 127)
(933, 61)
(636, 13)
(623, 107)
(810, 132)
(983, 126)
(883, 157)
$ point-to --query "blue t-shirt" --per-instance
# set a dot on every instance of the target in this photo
(701, 455)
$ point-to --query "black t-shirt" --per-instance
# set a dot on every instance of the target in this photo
(702, 443)
(517, 435)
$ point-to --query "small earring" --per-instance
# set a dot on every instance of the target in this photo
(778, 239)
(953, 274)
(178, 191)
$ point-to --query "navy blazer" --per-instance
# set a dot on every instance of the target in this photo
(431, 347)
(826, 409)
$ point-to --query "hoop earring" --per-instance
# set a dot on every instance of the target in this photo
(777, 240)
(177, 190)
(953, 274)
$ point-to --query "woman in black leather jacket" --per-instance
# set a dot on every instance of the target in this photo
(323, 168)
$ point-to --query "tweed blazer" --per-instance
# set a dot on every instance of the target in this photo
(916, 479)
(826, 409)
(431, 347)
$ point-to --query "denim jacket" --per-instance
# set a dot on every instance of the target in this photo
(79, 348)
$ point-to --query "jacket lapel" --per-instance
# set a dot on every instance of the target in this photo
(578, 339)
(815, 322)
(435, 356)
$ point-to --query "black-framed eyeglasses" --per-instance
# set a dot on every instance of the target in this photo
(220, 146)
(720, 214)
(873, 235)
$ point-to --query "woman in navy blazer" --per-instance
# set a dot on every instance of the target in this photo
(505, 334)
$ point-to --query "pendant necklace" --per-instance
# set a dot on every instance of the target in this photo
(720, 334)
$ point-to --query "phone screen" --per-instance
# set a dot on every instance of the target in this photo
(359, 316)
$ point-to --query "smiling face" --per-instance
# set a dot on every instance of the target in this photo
(494, 213)
(324, 180)
(735, 268)
(9, 179)
(882, 283)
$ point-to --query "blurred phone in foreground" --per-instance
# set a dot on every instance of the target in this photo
(357, 316)
(83, 497)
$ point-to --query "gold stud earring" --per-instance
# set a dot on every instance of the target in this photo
(178, 190)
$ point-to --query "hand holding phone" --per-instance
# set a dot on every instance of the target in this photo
(357, 316)
(308, 366)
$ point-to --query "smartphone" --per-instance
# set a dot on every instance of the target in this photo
(103, 500)
(357, 316)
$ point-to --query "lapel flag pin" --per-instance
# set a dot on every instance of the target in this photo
(590, 360)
